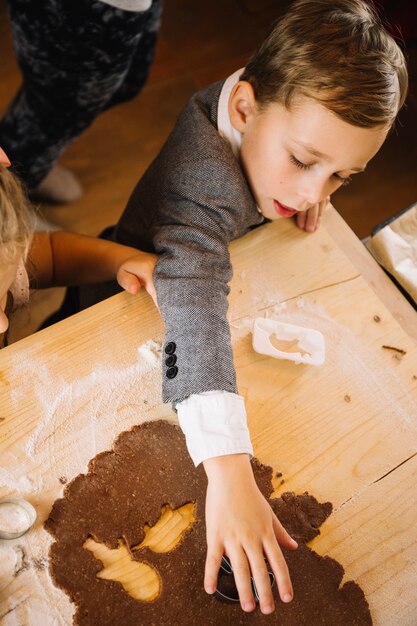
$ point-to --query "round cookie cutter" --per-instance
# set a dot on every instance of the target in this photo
(16, 517)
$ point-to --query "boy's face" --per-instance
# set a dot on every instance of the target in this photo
(295, 158)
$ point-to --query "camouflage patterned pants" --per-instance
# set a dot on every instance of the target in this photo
(77, 58)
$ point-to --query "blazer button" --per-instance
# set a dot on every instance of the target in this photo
(170, 348)
(171, 360)
(172, 372)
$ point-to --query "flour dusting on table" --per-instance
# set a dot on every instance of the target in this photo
(77, 420)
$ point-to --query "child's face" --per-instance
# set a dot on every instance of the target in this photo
(295, 158)
(7, 272)
(7, 277)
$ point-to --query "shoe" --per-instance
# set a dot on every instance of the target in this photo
(59, 186)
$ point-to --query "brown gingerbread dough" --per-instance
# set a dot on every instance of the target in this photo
(125, 489)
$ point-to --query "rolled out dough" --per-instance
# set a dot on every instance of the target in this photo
(124, 491)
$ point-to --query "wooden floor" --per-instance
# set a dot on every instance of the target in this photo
(195, 48)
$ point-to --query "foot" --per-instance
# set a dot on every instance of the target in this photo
(60, 186)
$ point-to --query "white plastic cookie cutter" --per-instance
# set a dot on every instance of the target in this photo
(286, 341)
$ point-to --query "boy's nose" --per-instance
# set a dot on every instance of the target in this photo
(315, 192)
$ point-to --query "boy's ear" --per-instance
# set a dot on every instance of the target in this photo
(242, 105)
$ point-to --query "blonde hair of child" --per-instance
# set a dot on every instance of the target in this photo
(16, 219)
(336, 52)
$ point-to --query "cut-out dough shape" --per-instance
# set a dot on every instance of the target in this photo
(140, 580)
(169, 529)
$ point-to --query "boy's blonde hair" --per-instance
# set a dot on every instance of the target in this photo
(336, 52)
(16, 219)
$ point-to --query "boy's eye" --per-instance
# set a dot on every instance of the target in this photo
(344, 180)
(306, 166)
(299, 164)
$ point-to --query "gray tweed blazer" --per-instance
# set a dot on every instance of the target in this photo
(190, 203)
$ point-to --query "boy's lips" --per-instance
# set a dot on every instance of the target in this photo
(282, 210)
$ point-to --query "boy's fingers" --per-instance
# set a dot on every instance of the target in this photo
(311, 219)
(213, 560)
(301, 219)
(280, 569)
(241, 573)
(284, 539)
(324, 206)
(262, 583)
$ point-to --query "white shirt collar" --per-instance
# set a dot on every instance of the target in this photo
(224, 124)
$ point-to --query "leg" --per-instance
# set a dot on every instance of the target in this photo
(142, 57)
(75, 56)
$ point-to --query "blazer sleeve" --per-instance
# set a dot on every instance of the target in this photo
(191, 279)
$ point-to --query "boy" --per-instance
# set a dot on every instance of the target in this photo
(312, 107)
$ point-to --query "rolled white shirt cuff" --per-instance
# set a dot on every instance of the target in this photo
(214, 424)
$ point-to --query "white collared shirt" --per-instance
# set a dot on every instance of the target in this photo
(224, 125)
(215, 423)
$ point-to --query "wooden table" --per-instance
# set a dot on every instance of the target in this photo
(345, 431)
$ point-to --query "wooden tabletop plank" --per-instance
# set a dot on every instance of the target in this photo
(374, 275)
(373, 535)
(354, 416)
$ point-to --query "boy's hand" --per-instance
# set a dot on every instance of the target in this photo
(242, 525)
(310, 220)
(136, 272)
